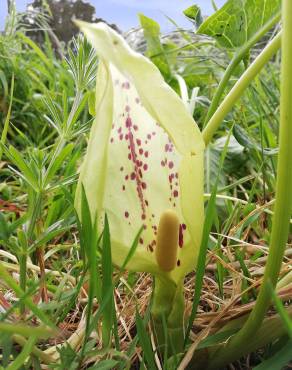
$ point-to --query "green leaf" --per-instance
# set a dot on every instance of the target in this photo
(210, 215)
(4, 229)
(282, 312)
(26, 172)
(58, 162)
(107, 283)
(91, 102)
(194, 14)
(247, 141)
(37, 50)
(132, 249)
(26, 331)
(279, 360)
(216, 338)
(5, 276)
(104, 365)
(155, 50)
(21, 358)
(8, 115)
(238, 20)
(4, 82)
(144, 340)
(6, 346)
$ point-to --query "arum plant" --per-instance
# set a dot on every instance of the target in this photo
(144, 169)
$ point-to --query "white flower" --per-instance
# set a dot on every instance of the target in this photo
(144, 157)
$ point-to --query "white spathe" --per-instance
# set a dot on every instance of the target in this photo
(145, 156)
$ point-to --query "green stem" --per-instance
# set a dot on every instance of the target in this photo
(7, 119)
(36, 211)
(21, 358)
(283, 202)
(168, 307)
(239, 55)
(240, 86)
(44, 357)
(22, 277)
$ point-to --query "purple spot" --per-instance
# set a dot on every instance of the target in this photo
(175, 193)
(128, 122)
(170, 165)
(180, 237)
(125, 85)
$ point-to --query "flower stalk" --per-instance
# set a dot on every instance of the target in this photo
(239, 88)
(168, 303)
(167, 313)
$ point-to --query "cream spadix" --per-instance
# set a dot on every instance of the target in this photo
(167, 241)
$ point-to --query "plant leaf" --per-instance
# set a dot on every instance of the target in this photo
(194, 14)
(279, 360)
(155, 50)
(238, 20)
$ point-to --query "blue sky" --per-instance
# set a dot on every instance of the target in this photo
(124, 12)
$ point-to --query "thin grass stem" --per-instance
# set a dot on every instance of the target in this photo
(238, 57)
(240, 86)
